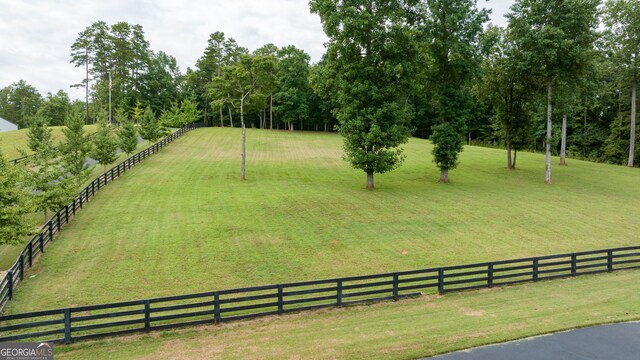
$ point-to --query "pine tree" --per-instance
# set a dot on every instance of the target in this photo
(149, 126)
(127, 136)
(76, 147)
(105, 144)
(16, 200)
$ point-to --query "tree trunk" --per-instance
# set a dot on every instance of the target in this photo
(584, 135)
(632, 138)
(444, 176)
(270, 112)
(515, 156)
(509, 163)
(221, 118)
(325, 127)
(547, 175)
(563, 143)
(244, 141)
(370, 185)
(230, 116)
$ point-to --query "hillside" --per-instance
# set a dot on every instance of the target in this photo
(13, 141)
(182, 222)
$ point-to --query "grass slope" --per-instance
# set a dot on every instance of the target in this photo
(182, 222)
(408, 329)
(11, 142)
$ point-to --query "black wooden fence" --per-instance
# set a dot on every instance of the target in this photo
(88, 322)
(40, 241)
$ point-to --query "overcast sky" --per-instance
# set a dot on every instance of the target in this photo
(36, 35)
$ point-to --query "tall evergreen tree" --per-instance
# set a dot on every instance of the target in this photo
(105, 144)
(150, 126)
(76, 147)
(15, 198)
(127, 136)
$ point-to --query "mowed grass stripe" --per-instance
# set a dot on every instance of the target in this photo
(182, 222)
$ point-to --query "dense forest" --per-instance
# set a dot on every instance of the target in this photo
(561, 77)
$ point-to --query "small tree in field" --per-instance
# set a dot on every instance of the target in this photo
(127, 136)
(105, 145)
(16, 202)
(150, 126)
(76, 147)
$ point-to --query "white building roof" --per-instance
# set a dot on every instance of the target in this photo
(6, 125)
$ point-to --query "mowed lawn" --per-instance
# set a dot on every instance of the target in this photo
(12, 142)
(182, 222)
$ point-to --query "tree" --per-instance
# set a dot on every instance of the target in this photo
(370, 59)
(245, 83)
(105, 145)
(452, 29)
(127, 136)
(555, 38)
(161, 84)
(623, 20)
(149, 126)
(292, 92)
(19, 102)
(52, 186)
(16, 202)
(55, 108)
(75, 148)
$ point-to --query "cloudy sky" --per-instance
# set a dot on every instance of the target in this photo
(36, 35)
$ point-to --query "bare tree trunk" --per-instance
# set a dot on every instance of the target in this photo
(244, 142)
(370, 185)
(509, 164)
(291, 126)
(221, 118)
(325, 127)
(444, 176)
(547, 175)
(515, 156)
(230, 116)
(584, 136)
(271, 112)
(632, 139)
(563, 143)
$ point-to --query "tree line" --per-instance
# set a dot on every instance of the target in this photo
(561, 78)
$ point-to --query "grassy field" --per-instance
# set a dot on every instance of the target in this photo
(9, 253)
(408, 329)
(11, 142)
(182, 222)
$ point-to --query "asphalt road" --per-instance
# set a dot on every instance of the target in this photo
(607, 342)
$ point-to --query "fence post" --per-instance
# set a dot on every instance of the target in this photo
(58, 218)
(73, 206)
(609, 260)
(31, 253)
(535, 269)
(42, 242)
(395, 287)
(50, 231)
(66, 213)
(67, 326)
(21, 267)
(93, 189)
(147, 315)
(339, 293)
(574, 264)
(441, 281)
(10, 283)
(216, 306)
(280, 298)
(490, 276)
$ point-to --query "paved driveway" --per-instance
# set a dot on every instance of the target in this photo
(607, 342)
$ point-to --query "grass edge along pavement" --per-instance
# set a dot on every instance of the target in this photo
(38, 243)
(213, 307)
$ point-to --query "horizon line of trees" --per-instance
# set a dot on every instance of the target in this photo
(561, 78)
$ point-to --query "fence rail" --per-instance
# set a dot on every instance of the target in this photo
(214, 307)
(39, 242)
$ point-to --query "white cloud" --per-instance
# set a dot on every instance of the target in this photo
(36, 35)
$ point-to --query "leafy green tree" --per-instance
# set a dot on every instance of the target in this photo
(245, 83)
(16, 202)
(76, 147)
(137, 112)
(556, 39)
(105, 145)
(39, 135)
(150, 126)
(19, 102)
(160, 85)
(293, 89)
(55, 108)
(370, 60)
(452, 29)
(623, 21)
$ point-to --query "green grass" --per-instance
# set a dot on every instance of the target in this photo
(12, 142)
(182, 222)
(408, 329)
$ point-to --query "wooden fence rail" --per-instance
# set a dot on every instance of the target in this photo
(39, 242)
(214, 307)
